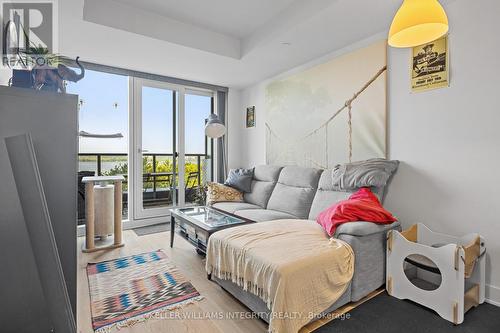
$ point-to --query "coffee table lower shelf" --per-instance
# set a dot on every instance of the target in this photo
(200, 246)
(197, 232)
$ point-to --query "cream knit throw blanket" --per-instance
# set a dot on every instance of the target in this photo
(290, 264)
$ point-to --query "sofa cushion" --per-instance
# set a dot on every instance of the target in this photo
(231, 207)
(267, 173)
(260, 193)
(328, 194)
(240, 179)
(294, 192)
(262, 215)
(264, 180)
(374, 172)
(219, 193)
(300, 177)
(324, 199)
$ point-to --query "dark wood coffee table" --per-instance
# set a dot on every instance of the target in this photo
(199, 223)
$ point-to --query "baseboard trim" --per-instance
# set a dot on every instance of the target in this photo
(492, 295)
(489, 301)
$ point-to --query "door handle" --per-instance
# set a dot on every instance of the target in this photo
(142, 150)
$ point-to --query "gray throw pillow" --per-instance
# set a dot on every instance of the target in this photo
(374, 172)
(240, 179)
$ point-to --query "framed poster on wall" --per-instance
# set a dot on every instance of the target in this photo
(250, 116)
(430, 65)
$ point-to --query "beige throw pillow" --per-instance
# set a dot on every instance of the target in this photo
(217, 193)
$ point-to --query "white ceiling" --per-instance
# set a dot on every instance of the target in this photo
(237, 18)
(233, 43)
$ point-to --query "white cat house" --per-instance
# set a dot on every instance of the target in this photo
(441, 272)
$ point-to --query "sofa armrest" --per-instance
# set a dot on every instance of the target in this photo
(363, 228)
(368, 241)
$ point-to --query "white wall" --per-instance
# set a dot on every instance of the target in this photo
(113, 47)
(447, 139)
(234, 130)
(252, 141)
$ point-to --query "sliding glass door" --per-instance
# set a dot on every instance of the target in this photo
(172, 156)
(159, 148)
(152, 133)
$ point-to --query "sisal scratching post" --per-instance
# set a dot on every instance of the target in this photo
(103, 207)
(104, 210)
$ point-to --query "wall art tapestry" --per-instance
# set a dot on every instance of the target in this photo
(331, 113)
(430, 65)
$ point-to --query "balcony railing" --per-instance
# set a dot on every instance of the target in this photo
(155, 158)
(158, 182)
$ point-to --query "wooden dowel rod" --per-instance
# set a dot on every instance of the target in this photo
(118, 212)
(89, 214)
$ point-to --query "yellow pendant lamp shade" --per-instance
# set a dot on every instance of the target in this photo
(418, 22)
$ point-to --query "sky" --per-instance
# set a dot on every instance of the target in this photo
(104, 110)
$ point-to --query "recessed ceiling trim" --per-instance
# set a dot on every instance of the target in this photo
(124, 17)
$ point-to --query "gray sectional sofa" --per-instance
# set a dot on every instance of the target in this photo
(302, 193)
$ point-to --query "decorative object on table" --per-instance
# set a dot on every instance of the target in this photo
(240, 179)
(219, 193)
(46, 77)
(250, 116)
(215, 128)
(418, 22)
(53, 79)
(33, 61)
(44, 71)
(338, 108)
(128, 290)
(103, 212)
(41, 235)
(197, 224)
(430, 65)
(442, 272)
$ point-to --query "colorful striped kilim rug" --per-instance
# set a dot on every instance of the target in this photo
(128, 290)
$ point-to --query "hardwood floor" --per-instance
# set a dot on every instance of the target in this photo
(216, 301)
(193, 267)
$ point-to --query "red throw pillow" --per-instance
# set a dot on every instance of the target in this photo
(361, 206)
